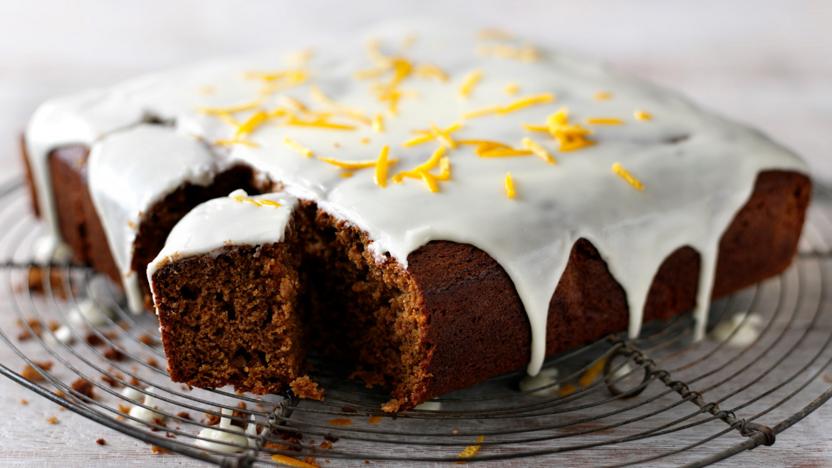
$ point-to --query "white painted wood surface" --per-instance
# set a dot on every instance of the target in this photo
(768, 63)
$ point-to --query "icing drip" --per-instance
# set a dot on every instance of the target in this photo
(663, 176)
(131, 170)
(231, 438)
(147, 415)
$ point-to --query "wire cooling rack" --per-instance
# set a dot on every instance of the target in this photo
(661, 398)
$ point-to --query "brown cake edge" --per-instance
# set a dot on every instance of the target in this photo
(477, 327)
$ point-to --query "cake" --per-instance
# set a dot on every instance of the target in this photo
(452, 207)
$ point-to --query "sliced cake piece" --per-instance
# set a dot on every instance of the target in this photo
(225, 287)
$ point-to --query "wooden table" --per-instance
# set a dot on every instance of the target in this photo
(768, 63)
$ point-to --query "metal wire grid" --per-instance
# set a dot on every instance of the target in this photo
(658, 399)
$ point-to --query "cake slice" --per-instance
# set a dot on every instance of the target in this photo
(227, 298)
(120, 196)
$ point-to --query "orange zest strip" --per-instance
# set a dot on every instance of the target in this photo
(444, 169)
(233, 141)
(642, 115)
(431, 71)
(233, 109)
(378, 123)
(502, 152)
(255, 201)
(471, 450)
(619, 170)
(382, 166)
(441, 134)
(318, 123)
(514, 106)
(353, 165)
(569, 136)
(604, 121)
(511, 192)
(522, 103)
(591, 375)
(538, 150)
(251, 123)
(426, 166)
(297, 147)
(468, 83)
(430, 181)
(602, 96)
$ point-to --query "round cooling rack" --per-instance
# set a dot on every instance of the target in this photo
(661, 398)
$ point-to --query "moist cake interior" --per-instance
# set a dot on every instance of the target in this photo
(241, 316)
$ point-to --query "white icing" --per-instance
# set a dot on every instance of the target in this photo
(147, 415)
(132, 394)
(621, 372)
(543, 384)
(431, 405)
(738, 330)
(48, 249)
(223, 221)
(229, 434)
(131, 170)
(89, 312)
(698, 169)
(64, 335)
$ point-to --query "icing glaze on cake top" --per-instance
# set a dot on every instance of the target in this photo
(420, 132)
(235, 219)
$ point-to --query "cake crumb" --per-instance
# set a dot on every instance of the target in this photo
(134, 381)
(211, 419)
(391, 406)
(326, 445)
(84, 387)
(374, 420)
(124, 409)
(100, 441)
(152, 362)
(59, 393)
(52, 420)
(113, 354)
(93, 339)
(307, 389)
(37, 279)
(156, 450)
(184, 415)
(340, 422)
(147, 339)
(24, 401)
(110, 380)
(276, 446)
(32, 375)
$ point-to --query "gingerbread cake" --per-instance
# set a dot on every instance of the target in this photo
(452, 207)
